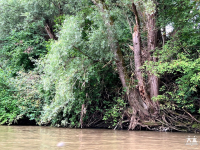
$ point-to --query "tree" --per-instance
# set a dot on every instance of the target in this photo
(139, 99)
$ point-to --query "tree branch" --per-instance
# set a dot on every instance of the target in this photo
(85, 54)
(136, 15)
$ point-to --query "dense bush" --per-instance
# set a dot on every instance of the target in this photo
(9, 109)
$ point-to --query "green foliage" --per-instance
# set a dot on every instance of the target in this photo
(8, 104)
(186, 87)
(98, 93)
(178, 64)
(21, 96)
(76, 76)
(20, 47)
(114, 111)
(29, 95)
(58, 23)
(59, 67)
(48, 81)
(10, 18)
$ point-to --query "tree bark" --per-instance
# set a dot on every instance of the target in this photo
(152, 106)
(152, 44)
(137, 58)
(49, 32)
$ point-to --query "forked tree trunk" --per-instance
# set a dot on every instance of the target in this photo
(138, 60)
(152, 106)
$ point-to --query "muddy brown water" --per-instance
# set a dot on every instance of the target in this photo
(50, 138)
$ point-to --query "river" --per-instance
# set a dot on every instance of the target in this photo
(50, 138)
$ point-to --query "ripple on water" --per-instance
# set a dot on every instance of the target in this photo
(43, 138)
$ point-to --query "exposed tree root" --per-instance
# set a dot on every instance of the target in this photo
(169, 120)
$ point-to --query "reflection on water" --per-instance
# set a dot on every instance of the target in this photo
(48, 138)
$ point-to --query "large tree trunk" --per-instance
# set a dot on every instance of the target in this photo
(152, 106)
(152, 43)
(152, 40)
(138, 61)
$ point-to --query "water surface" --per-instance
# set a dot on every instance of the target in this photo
(47, 138)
